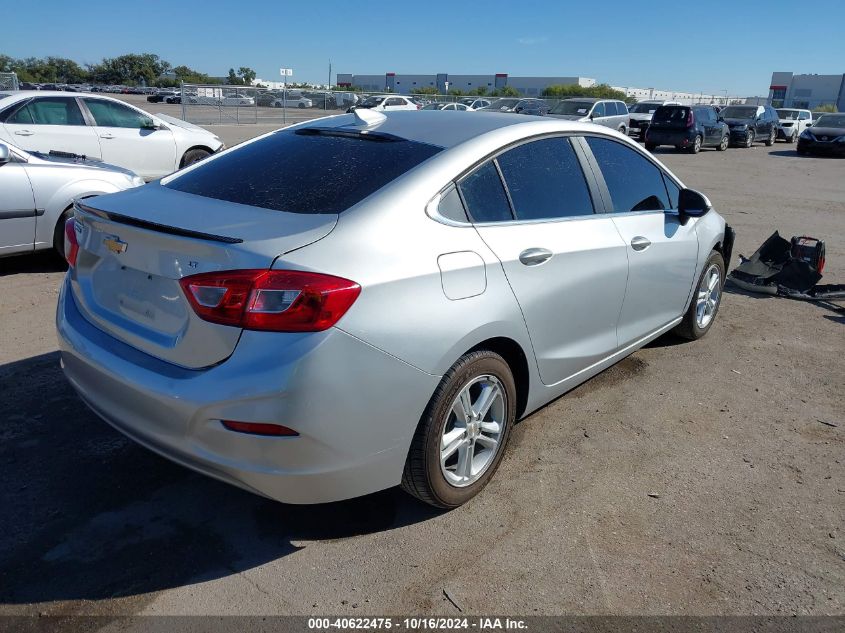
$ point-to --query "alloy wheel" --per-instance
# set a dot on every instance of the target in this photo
(472, 433)
(707, 299)
(749, 139)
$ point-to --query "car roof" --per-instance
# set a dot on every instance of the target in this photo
(450, 128)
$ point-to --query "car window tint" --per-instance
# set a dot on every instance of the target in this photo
(610, 108)
(545, 180)
(598, 109)
(304, 172)
(484, 195)
(451, 206)
(49, 111)
(109, 114)
(634, 182)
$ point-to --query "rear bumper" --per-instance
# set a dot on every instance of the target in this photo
(669, 137)
(355, 407)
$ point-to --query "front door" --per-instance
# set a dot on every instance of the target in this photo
(566, 264)
(662, 253)
(127, 141)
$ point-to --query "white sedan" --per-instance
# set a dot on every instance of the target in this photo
(292, 102)
(38, 193)
(460, 107)
(388, 103)
(102, 127)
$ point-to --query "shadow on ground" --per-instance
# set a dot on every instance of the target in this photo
(88, 514)
(43, 262)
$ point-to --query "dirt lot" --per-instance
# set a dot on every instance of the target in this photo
(692, 478)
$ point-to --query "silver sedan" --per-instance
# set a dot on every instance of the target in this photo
(38, 191)
(372, 300)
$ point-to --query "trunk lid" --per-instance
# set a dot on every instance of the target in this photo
(136, 245)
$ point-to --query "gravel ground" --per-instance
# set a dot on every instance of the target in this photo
(691, 478)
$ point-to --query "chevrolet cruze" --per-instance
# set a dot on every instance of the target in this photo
(372, 300)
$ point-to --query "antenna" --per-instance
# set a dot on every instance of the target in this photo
(367, 118)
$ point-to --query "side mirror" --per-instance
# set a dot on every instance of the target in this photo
(692, 204)
(5, 154)
(150, 124)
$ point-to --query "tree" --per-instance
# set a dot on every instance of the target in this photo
(247, 75)
(129, 69)
(233, 79)
(602, 91)
(425, 90)
(826, 107)
(507, 91)
(481, 91)
(457, 92)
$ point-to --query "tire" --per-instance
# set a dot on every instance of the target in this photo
(693, 327)
(723, 145)
(696, 145)
(772, 137)
(301, 106)
(434, 482)
(623, 130)
(59, 233)
(650, 147)
(194, 156)
(791, 138)
(749, 139)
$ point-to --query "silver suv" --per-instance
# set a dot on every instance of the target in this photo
(607, 112)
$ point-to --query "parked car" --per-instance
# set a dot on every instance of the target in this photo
(237, 99)
(176, 98)
(292, 101)
(825, 136)
(607, 112)
(639, 116)
(475, 103)
(793, 122)
(687, 127)
(248, 317)
(322, 100)
(38, 194)
(103, 127)
(535, 107)
(447, 107)
(506, 104)
(386, 103)
(161, 96)
(751, 123)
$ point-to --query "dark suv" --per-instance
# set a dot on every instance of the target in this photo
(751, 123)
(687, 127)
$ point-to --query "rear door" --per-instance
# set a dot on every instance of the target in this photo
(598, 114)
(662, 253)
(127, 140)
(17, 209)
(52, 123)
(566, 265)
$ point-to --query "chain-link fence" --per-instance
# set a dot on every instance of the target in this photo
(216, 104)
(9, 81)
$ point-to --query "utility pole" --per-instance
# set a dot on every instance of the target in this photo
(330, 75)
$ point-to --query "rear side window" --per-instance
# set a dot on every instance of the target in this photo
(49, 111)
(305, 172)
(484, 195)
(634, 182)
(599, 110)
(545, 180)
(611, 109)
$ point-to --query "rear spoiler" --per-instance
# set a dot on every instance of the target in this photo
(154, 226)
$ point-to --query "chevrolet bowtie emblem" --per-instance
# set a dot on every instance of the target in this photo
(115, 245)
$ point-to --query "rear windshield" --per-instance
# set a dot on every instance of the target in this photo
(670, 114)
(740, 112)
(305, 172)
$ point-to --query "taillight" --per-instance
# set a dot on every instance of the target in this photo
(274, 300)
(689, 118)
(71, 243)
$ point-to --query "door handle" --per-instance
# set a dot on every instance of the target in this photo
(640, 243)
(107, 135)
(534, 256)
(24, 133)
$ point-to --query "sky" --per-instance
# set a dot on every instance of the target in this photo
(682, 45)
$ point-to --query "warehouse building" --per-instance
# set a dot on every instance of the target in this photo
(807, 91)
(443, 82)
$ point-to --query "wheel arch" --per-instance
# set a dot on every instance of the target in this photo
(515, 357)
(192, 148)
